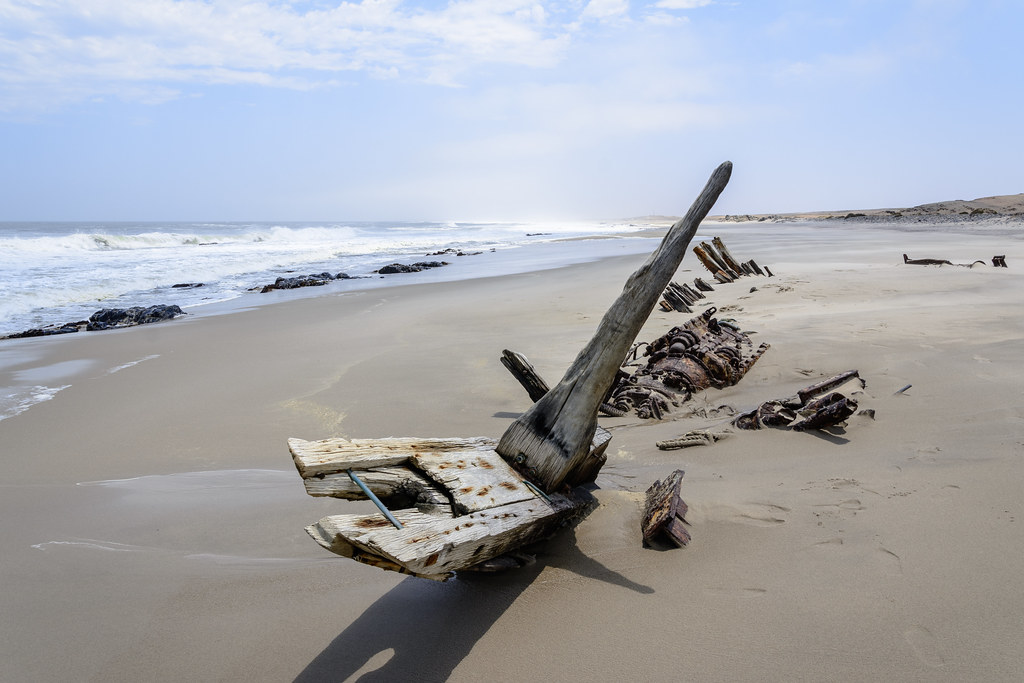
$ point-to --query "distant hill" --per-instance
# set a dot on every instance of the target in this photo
(1007, 206)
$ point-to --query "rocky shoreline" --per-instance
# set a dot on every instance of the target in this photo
(116, 318)
(106, 319)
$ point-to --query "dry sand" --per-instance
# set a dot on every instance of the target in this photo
(152, 521)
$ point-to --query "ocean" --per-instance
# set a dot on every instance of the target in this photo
(55, 273)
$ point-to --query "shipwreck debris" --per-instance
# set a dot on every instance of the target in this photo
(702, 352)
(806, 410)
(680, 297)
(665, 512)
(472, 503)
(716, 258)
(926, 261)
(696, 437)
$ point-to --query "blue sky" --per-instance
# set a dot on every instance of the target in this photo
(501, 109)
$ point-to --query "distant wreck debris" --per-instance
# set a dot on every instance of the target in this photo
(716, 258)
(702, 352)
(472, 503)
(997, 262)
(926, 261)
(806, 410)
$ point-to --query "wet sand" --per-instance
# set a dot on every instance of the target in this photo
(153, 520)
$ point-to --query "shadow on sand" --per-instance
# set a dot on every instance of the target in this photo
(431, 627)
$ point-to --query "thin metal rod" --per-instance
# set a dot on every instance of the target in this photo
(376, 501)
(537, 491)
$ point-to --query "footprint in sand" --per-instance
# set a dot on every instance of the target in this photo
(925, 645)
(761, 514)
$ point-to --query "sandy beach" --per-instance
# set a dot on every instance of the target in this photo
(153, 520)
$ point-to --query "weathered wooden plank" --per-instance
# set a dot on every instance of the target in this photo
(664, 511)
(703, 286)
(434, 547)
(313, 458)
(554, 436)
(721, 262)
(477, 480)
(726, 256)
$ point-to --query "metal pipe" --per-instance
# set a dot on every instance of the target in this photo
(376, 501)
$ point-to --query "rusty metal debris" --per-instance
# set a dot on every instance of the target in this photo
(702, 352)
(806, 410)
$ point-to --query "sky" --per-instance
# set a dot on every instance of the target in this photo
(486, 110)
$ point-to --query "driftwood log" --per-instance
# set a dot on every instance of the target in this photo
(550, 441)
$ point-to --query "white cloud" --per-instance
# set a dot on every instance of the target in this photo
(683, 4)
(56, 51)
(606, 9)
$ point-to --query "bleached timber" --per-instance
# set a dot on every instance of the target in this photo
(469, 505)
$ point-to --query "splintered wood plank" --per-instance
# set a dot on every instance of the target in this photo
(476, 480)
(433, 547)
(664, 511)
(385, 482)
(313, 458)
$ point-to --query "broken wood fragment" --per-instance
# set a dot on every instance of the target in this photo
(665, 512)
(702, 286)
(524, 372)
(690, 439)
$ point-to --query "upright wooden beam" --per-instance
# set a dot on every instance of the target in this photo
(552, 439)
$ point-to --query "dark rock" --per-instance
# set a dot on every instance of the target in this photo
(398, 268)
(187, 285)
(107, 318)
(314, 280)
(413, 268)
